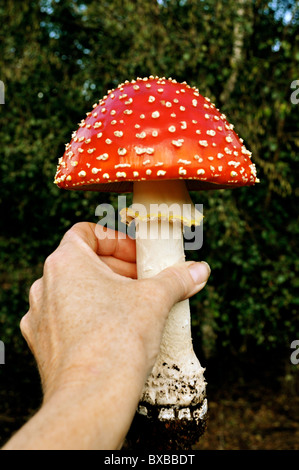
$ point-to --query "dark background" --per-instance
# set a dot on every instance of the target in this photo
(57, 59)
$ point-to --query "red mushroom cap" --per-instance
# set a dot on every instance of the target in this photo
(154, 129)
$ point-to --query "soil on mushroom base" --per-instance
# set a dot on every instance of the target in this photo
(251, 418)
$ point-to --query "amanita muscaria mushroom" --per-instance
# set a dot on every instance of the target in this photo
(159, 138)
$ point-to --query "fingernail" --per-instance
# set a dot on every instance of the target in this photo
(200, 272)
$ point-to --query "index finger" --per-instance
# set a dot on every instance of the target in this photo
(104, 241)
(116, 244)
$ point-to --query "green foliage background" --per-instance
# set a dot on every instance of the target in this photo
(59, 57)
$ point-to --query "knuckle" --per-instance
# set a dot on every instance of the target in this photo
(53, 261)
(34, 292)
(78, 226)
(24, 325)
(50, 261)
(26, 330)
(71, 232)
(76, 231)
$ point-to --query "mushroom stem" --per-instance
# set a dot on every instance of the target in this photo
(175, 389)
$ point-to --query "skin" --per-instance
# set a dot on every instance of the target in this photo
(95, 331)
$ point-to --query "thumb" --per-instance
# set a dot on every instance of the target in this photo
(183, 280)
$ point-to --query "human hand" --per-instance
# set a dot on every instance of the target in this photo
(95, 330)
